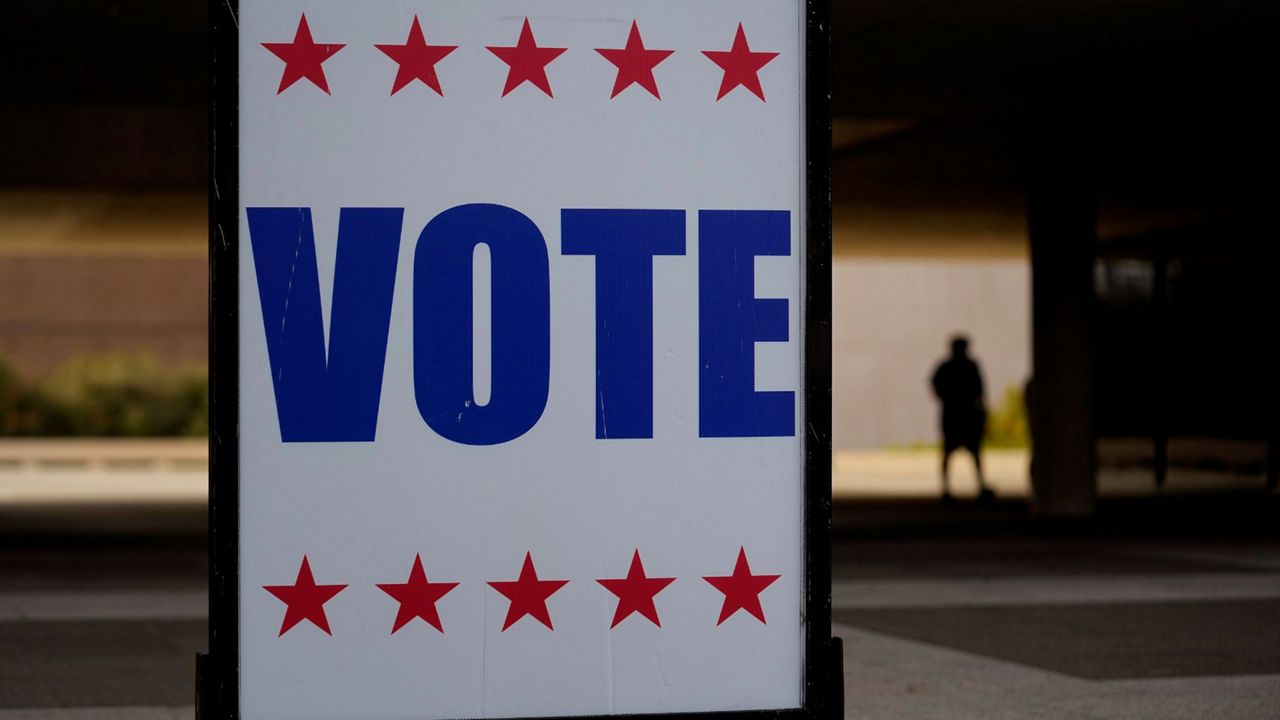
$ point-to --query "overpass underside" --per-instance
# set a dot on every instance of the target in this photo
(1118, 153)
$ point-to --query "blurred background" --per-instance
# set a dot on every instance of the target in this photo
(1082, 188)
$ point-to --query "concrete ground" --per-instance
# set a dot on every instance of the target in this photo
(1155, 609)
(1163, 607)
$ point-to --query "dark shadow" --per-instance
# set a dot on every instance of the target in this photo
(957, 383)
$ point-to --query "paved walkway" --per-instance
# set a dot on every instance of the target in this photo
(1066, 627)
(937, 623)
(1161, 609)
(888, 677)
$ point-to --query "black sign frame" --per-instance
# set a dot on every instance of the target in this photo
(218, 671)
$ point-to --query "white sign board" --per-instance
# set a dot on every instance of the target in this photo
(520, 358)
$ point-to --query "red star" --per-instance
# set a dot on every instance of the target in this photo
(636, 592)
(741, 589)
(305, 599)
(303, 58)
(417, 59)
(635, 63)
(528, 595)
(740, 65)
(527, 61)
(417, 597)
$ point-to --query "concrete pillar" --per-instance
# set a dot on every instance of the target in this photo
(1062, 225)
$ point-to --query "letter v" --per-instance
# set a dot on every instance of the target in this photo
(333, 396)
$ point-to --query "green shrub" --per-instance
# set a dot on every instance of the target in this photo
(23, 410)
(1007, 422)
(110, 395)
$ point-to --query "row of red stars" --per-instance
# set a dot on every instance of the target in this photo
(305, 600)
(526, 61)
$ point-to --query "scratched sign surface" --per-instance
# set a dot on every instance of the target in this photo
(521, 372)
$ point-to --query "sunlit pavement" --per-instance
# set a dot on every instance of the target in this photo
(915, 473)
(1153, 609)
(130, 472)
(140, 472)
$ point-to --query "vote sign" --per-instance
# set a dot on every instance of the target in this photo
(516, 412)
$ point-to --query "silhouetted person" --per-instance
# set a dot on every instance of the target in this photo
(958, 384)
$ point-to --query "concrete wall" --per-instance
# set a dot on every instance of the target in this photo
(892, 320)
(55, 305)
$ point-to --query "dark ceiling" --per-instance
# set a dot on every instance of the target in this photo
(1175, 95)
(113, 94)
(915, 58)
